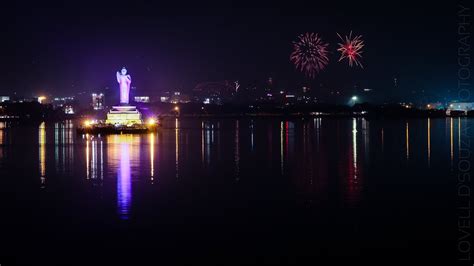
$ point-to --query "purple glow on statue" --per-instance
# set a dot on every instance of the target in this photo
(124, 80)
(124, 183)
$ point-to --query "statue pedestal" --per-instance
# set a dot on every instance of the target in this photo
(124, 116)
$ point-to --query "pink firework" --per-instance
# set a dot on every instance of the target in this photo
(351, 48)
(310, 54)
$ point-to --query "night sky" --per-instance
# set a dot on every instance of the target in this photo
(61, 50)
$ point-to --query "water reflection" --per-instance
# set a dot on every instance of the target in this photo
(287, 144)
(305, 150)
(252, 142)
(207, 139)
(354, 148)
(290, 140)
(282, 159)
(354, 177)
(87, 157)
(56, 146)
(177, 147)
(236, 151)
(63, 146)
(307, 154)
(2, 139)
(407, 140)
(42, 152)
(123, 155)
(366, 136)
(94, 157)
(325, 163)
(459, 136)
(429, 141)
(152, 155)
(311, 170)
(451, 140)
(97, 170)
(202, 142)
(124, 182)
(269, 144)
(382, 140)
(317, 124)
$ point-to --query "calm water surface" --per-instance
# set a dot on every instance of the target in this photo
(264, 190)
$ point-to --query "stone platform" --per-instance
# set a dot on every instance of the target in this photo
(124, 116)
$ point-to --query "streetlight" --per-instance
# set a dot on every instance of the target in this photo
(176, 110)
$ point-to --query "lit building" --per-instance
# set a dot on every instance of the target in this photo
(461, 106)
(290, 99)
(98, 101)
(59, 102)
(307, 96)
(142, 99)
(4, 99)
(68, 109)
(178, 97)
(217, 92)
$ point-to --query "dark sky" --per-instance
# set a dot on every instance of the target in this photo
(65, 48)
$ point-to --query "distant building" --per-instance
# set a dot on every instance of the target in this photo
(4, 99)
(175, 97)
(68, 109)
(165, 97)
(59, 102)
(27, 100)
(307, 96)
(142, 99)
(290, 99)
(461, 106)
(98, 101)
(217, 92)
(178, 97)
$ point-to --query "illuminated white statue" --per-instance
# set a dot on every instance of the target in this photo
(124, 80)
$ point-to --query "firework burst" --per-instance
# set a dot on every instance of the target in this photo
(310, 54)
(351, 48)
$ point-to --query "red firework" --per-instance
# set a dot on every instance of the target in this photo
(310, 54)
(351, 48)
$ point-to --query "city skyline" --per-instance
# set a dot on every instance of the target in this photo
(181, 47)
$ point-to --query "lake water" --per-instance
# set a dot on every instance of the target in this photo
(266, 190)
